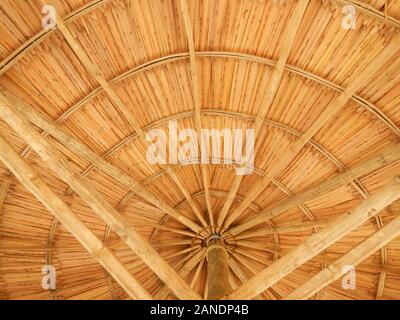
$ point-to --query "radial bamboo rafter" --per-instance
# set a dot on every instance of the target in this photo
(267, 100)
(186, 250)
(33, 182)
(333, 108)
(57, 162)
(382, 158)
(318, 242)
(196, 101)
(96, 73)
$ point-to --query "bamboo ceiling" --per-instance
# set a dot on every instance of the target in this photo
(323, 100)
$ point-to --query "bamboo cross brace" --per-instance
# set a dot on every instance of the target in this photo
(355, 256)
(34, 183)
(57, 162)
(320, 241)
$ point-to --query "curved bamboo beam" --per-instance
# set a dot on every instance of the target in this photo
(250, 58)
(259, 172)
(284, 189)
(254, 207)
(324, 151)
(215, 112)
(367, 9)
(96, 73)
(355, 183)
(182, 56)
(331, 110)
(369, 106)
(38, 38)
(88, 154)
(46, 126)
(232, 55)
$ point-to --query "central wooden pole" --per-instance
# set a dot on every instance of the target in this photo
(217, 268)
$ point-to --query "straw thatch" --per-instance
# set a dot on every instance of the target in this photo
(77, 101)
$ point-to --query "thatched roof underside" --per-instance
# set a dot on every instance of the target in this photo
(145, 56)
